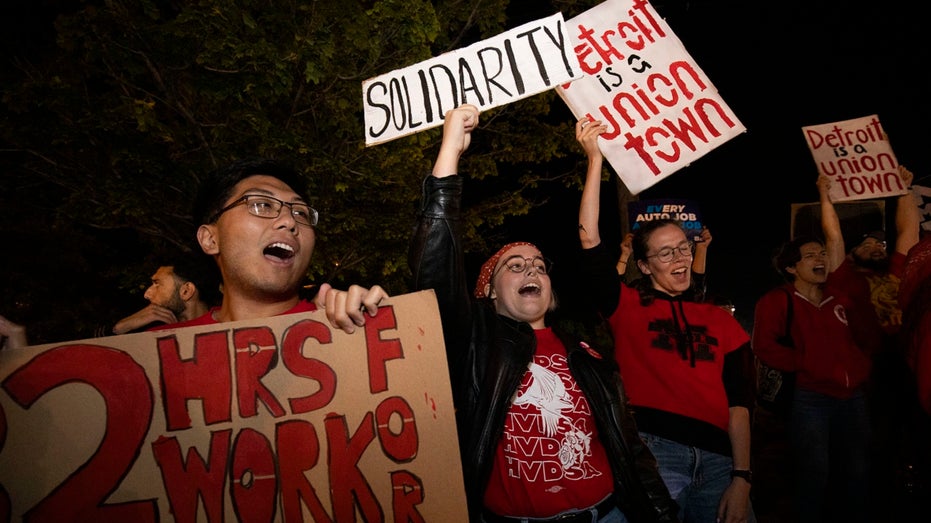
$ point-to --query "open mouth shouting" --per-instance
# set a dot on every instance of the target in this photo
(530, 289)
(280, 251)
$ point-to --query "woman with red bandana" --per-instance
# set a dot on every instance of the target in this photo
(544, 429)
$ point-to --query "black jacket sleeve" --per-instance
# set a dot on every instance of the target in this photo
(599, 279)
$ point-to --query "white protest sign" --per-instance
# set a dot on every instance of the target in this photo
(530, 59)
(662, 112)
(281, 419)
(858, 158)
(922, 195)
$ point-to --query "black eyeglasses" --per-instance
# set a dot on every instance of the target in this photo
(667, 254)
(268, 207)
(519, 264)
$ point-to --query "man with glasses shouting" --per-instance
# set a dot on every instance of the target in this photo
(687, 366)
(253, 220)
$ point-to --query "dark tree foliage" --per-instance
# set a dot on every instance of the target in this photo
(113, 109)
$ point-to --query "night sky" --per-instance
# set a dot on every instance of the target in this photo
(781, 66)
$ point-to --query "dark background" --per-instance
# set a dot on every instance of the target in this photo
(778, 65)
(781, 66)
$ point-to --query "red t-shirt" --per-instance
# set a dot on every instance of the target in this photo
(550, 458)
(208, 319)
(877, 289)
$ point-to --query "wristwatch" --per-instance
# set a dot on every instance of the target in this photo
(745, 474)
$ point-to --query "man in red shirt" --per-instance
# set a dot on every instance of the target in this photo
(255, 223)
(870, 275)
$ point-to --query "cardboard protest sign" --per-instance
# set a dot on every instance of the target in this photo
(858, 158)
(661, 110)
(530, 59)
(685, 211)
(282, 419)
(922, 195)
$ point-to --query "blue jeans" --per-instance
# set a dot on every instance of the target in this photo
(696, 478)
(830, 440)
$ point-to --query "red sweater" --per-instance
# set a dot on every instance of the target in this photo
(672, 352)
(827, 357)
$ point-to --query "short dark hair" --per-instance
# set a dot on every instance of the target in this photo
(217, 187)
(199, 269)
(790, 253)
(643, 233)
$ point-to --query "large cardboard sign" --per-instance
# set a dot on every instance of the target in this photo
(687, 212)
(661, 110)
(284, 419)
(524, 61)
(858, 158)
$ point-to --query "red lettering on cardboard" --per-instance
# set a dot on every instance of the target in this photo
(124, 387)
(187, 479)
(205, 376)
(381, 350)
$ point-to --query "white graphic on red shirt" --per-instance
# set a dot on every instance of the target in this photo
(548, 436)
(548, 393)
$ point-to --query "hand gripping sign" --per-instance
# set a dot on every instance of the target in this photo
(281, 419)
(857, 156)
(661, 110)
(524, 61)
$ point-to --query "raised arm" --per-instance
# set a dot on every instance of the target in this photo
(586, 132)
(436, 256)
(907, 216)
(830, 225)
(627, 249)
(700, 259)
(457, 135)
(699, 262)
(598, 271)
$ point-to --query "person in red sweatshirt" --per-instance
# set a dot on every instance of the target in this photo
(829, 353)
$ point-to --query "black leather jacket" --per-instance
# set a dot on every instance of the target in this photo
(488, 354)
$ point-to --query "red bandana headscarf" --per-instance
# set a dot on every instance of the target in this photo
(488, 268)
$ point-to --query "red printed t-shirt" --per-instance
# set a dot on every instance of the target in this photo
(549, 459)
(881, 290)
(208, 319)
(660, 369)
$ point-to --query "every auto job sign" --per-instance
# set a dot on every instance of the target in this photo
(283, 419)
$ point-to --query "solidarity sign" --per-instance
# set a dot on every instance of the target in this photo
(618, 62)
(283, 419)
(530, 59)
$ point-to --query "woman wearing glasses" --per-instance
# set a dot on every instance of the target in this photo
(687, 366)
(544, 430)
